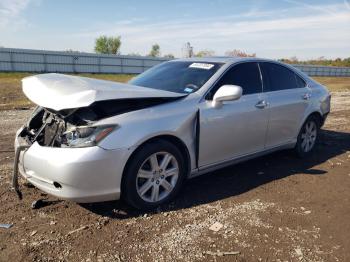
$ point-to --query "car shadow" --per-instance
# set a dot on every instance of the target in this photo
(240, 178)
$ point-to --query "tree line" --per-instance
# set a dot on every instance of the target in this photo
(341, 62)
(111, 45)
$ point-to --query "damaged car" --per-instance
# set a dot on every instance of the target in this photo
(92, 140)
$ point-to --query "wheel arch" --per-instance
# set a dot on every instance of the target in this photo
(298, 146)
(316, 114)
(166, 137)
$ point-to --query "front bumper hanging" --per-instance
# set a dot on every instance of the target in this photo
(15, 185)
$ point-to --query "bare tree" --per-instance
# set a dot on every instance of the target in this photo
(236, 52)
(204, 53)
(170, 56)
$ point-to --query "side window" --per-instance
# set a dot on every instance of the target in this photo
(245, 75)
(277, 77)
(300, 82)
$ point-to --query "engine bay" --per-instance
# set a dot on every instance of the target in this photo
(61, 128)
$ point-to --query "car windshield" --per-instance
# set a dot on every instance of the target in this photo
(177, 76)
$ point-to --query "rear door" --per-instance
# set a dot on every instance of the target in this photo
(288, 97)
(238, 127)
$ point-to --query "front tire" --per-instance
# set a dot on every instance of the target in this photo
(154, 175)
(308, 137)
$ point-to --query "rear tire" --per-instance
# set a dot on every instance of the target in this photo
(308, 137)
(154, 175)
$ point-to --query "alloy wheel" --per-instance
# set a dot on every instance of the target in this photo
(308, 137)
(157, 177)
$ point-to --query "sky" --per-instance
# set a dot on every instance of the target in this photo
(270, 28)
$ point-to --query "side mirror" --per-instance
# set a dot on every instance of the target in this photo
(227, 93)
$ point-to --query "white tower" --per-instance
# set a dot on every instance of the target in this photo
(187, 50)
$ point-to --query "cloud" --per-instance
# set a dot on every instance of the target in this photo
(255, 31)
(328, 9)
(295, 28)
(10, 12)
(347, 4)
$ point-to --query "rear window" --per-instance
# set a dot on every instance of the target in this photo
(300, 82)
(277, 77)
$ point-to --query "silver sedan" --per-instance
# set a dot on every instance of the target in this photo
(92, 140)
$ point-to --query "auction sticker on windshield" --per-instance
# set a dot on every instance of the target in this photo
(201, 66)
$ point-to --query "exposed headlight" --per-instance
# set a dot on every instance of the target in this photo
(87, 136)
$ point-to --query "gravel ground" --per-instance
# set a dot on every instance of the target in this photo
(275, 208)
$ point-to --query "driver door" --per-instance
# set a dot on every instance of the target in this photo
(236, 128)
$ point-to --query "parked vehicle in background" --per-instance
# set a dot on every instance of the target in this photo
(93, 140)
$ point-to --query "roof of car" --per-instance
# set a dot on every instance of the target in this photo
(221, 59)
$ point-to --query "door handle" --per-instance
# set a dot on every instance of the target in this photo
(261, 104)
(306, 96)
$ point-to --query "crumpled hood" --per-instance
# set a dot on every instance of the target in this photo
(58, 91)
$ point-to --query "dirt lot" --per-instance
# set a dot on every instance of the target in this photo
(275, 208)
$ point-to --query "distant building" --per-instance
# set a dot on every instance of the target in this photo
(187, 50)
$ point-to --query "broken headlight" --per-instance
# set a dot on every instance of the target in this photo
(86, 136)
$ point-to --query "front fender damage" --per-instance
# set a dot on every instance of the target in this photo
(49, 128)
